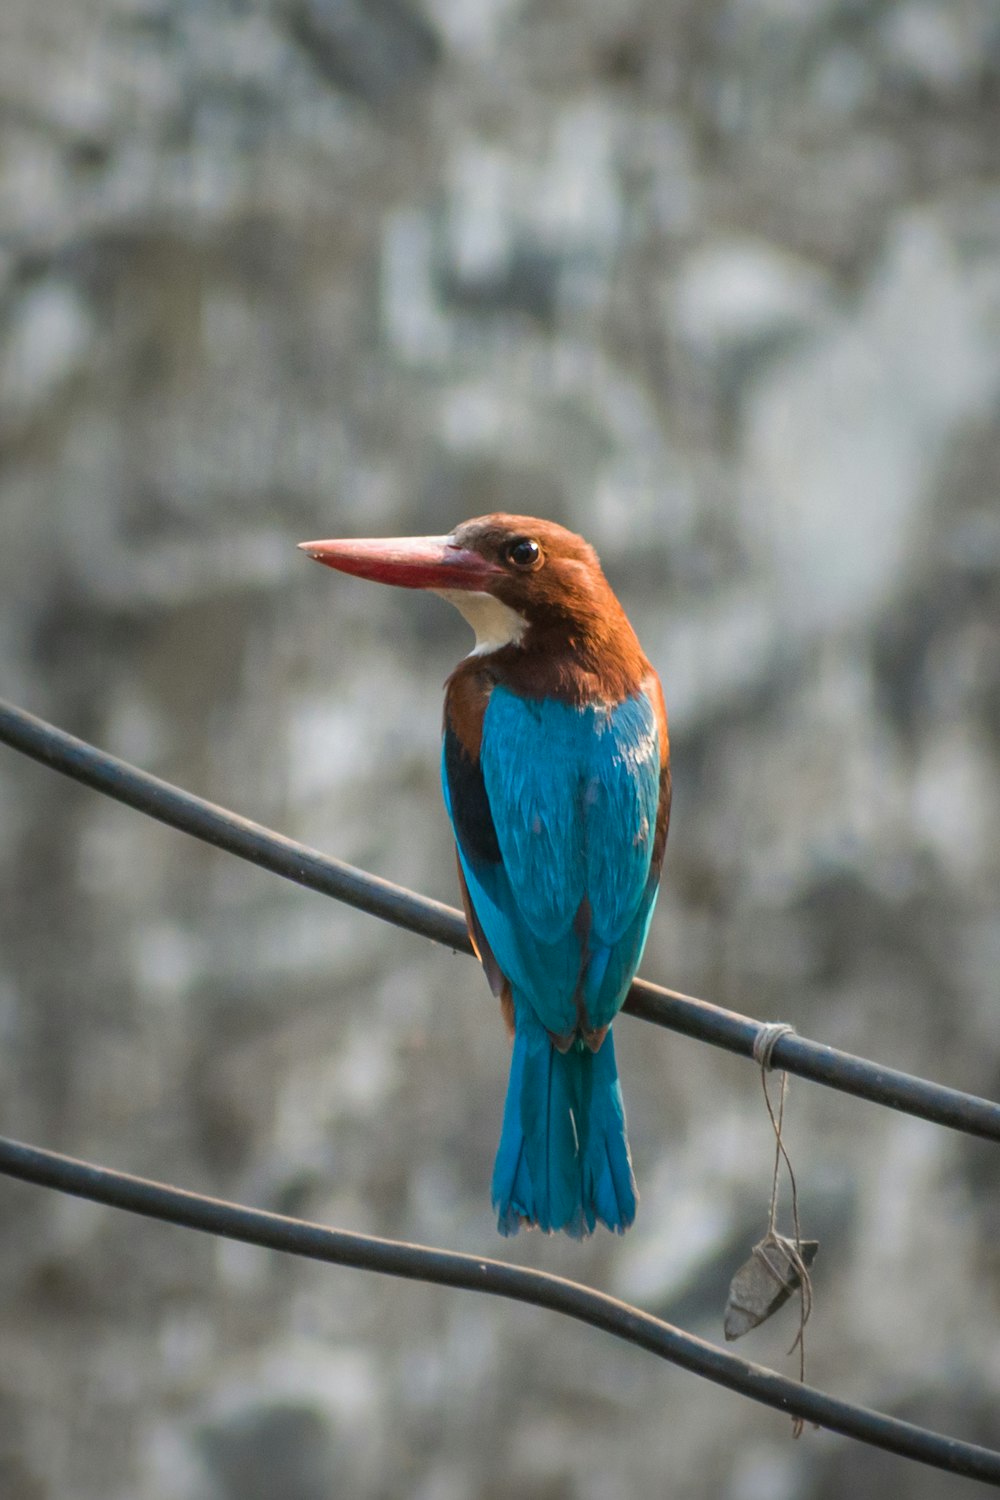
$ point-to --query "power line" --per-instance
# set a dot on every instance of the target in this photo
(431, 919)
(497, 1278)
(181, 810)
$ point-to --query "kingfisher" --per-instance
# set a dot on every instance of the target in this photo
(556, 775)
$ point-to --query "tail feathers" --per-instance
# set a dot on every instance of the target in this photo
(563, 1161)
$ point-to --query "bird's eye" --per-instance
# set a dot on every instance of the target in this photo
(524, 553)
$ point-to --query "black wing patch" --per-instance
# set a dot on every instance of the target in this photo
(470, 806)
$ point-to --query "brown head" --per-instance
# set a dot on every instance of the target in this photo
(533, 592)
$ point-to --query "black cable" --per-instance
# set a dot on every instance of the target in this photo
(431, 919)
(695, 1018)
(478, 1274)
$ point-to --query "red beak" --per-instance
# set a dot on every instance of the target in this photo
(410, 562)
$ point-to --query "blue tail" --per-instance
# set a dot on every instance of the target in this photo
(563, 1160)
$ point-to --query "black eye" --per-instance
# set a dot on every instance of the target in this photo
(524, 553)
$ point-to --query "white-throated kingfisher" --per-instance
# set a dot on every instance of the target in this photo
(556, 779)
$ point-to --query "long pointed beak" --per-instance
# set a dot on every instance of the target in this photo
(410, 562)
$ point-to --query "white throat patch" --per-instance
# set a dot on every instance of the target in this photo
(494, 622)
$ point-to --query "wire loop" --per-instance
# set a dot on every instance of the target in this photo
(767, 1038)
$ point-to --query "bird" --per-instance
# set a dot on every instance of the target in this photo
(555, 769)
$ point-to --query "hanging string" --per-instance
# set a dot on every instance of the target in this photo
(790, 1249)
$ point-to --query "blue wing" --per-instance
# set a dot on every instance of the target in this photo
(557, 855)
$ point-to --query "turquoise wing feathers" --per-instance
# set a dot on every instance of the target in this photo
(561, 879)
(556, 825)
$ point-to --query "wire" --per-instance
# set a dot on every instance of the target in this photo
(181, 810)
(476, 1273)
(431, 919)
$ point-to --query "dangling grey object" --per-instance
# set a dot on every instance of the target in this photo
(766, 1281)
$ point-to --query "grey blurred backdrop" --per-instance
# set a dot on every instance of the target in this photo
(716, 282)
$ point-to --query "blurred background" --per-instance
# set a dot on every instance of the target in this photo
(715, 282)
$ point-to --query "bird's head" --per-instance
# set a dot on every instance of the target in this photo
(510, 576)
